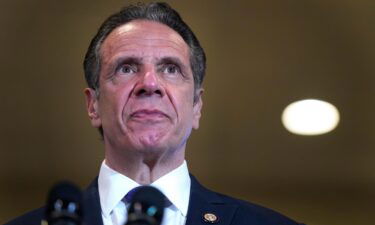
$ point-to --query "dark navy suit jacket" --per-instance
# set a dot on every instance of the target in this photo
(229, 211)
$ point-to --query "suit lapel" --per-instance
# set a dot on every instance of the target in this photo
(203, 201)
(92, 209)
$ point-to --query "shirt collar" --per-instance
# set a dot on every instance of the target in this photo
(175, 185)
(113, 186)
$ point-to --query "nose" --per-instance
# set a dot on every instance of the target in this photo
(148, 85)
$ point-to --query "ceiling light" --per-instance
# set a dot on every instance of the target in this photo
(310, 117)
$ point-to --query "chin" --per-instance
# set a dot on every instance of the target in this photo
(152, 141)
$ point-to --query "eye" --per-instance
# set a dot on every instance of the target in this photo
(171, 69)
(128, 69)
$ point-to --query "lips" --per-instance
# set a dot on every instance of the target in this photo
(149, 114)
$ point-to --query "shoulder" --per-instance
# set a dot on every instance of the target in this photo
(31, 218)
(250, 213)
(240, 212)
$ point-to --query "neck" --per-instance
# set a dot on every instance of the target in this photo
(142, 167)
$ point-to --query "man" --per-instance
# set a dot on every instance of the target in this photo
(145, 69)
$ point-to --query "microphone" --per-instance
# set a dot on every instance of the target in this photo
(64, 205)
(146, 207)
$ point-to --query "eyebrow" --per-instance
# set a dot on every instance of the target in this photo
(114, 66)
(127, 60)
(172, 60)
(134, 60)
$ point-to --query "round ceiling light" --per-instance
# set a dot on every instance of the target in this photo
(310, 117)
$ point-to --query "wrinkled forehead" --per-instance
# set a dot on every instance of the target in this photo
(146, 35)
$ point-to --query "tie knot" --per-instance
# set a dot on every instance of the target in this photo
(130, 195)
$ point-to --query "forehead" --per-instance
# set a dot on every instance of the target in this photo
(144, 38)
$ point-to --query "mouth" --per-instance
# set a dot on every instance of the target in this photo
(146, 114)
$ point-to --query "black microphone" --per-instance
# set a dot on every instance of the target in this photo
(64, 205)
(146, 207)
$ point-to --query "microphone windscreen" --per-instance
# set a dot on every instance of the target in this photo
(64, 205)
(146, 207)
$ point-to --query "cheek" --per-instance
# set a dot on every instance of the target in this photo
(114, 99)
(186, 105)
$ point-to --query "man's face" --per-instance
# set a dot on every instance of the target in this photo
(146, 94)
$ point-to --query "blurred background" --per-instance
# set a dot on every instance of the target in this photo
(262, 55)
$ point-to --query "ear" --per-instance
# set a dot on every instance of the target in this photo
(92, 107)
(197, 107)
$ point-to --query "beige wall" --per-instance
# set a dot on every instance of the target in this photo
(261, 56)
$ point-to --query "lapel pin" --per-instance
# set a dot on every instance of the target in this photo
(210, 218)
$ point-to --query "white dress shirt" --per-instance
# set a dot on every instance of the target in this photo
(113, 186)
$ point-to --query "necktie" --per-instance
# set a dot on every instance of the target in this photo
(129, 197)
(119, 215)
(120, 212)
